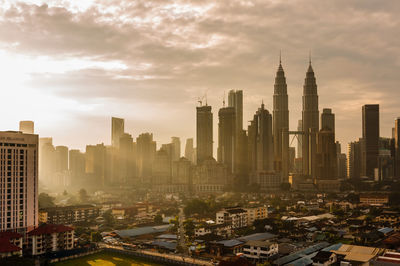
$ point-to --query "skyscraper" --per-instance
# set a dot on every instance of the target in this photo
(280, 123)
(95, 163)
(326, 161)
(19, 181)
(176, 146)
(227, 137)
(370, 135)
(235, 100)
(117, 130)
(354, 160)
(61, 158)
(397, 147)
(189, 150)
(328, 119)
(145, 154)
(127, 158)
(310, 117)
(26, 127)
(204, 133)
(260, 142)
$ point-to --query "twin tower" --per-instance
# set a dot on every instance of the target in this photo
(265, 152)
(310, 123)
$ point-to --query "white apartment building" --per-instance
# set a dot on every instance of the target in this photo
(236, 217)
(259, 250)
(18, 181)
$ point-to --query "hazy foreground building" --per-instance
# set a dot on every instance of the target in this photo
(204, 133)
(27, 127)
(189, 150)
(145, 154)
(19, 179)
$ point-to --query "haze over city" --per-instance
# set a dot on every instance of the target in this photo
(78, 63)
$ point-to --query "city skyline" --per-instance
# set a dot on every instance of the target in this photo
(69, 85)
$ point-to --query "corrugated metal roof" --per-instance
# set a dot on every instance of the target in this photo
(143, 230)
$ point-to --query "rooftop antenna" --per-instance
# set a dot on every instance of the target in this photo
(223, 101)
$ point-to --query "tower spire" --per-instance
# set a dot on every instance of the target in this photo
(280, 57)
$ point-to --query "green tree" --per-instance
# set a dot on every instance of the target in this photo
(189, 227)
(45, 200)
(95, 237)
(108, 218)
(158, 219)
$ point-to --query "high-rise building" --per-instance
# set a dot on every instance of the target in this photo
(95, 163)
(117, 130)
(61, 158)
(300, 139)
(76, 167)
(281, 123)
(370, 135)
(19, 181)
(176, 149)
(161, 173)
(227, 137)
(310, 117)
(260, 142)
(204, 133)
(397, 147)
(235, 100)
(182, 172)
(354, 160)
(127, 160)
(328, 119)
(189, 150)
(145, 154)
(27, 127)
(47, 161)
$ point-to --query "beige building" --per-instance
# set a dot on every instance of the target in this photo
(257, 213)
(49, 238)
(19, 176)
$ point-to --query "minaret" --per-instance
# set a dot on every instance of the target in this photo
(280, 121)
(310, 119)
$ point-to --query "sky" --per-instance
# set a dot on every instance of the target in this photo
(71, 65)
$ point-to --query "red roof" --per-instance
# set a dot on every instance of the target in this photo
(47, 229)
(6, 246)
(10, 235)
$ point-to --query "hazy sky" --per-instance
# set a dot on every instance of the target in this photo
(71, 65)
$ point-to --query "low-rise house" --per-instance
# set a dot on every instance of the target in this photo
(324, 258)
(50, 238)
(391, 217)
(226, 247)
(357, 255)
(10, 244)
(260, 251)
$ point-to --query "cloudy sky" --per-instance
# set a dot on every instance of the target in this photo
(71, 65)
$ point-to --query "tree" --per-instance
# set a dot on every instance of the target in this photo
(95, 237)
(189, 227)
(45, 200)
(285, 186)
(158, 219)
(175, 223)
(108, 218)
(83, 196)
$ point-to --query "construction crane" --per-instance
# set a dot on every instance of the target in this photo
(201, 99)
